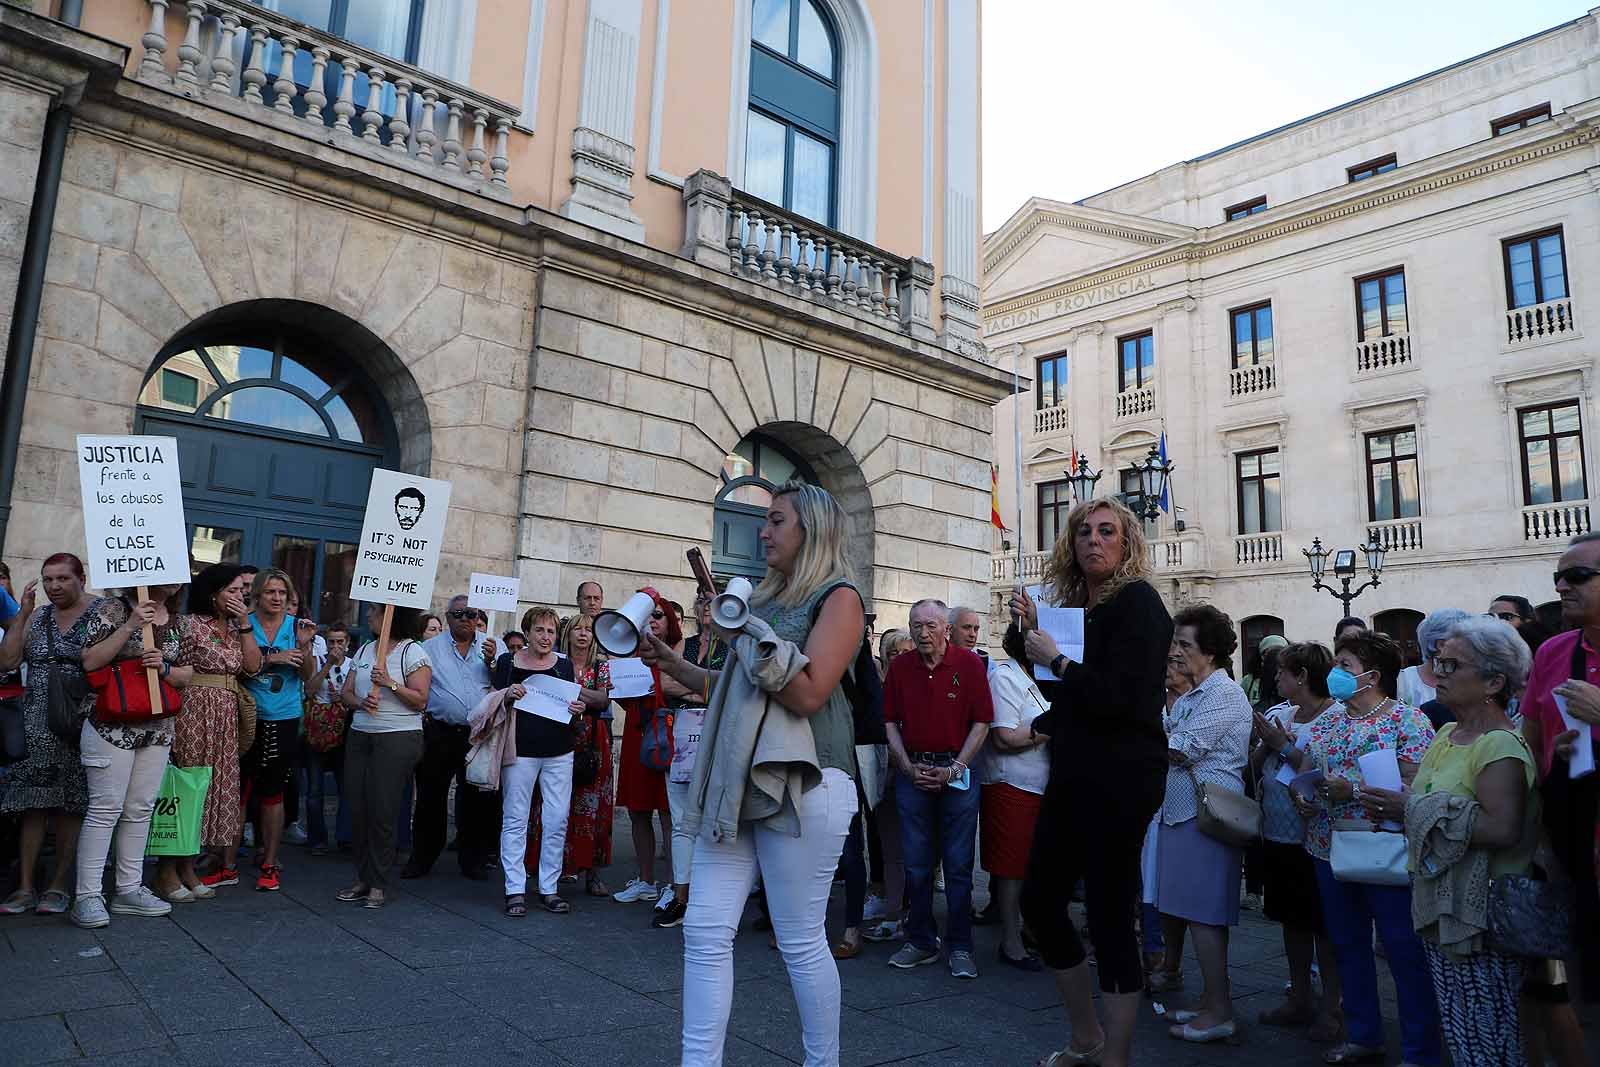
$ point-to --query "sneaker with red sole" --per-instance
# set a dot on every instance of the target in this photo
(268, 880)
(220, 877)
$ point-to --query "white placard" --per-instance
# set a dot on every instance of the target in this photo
(1066, 626)
(493, 592)
(1380, 769)
(1582, 761)
(548, 698)
(400, 540)
(133, 511)
(630, 678)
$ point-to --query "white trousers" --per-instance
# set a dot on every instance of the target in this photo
(123, 783)
(682, 843)
(553, 775)
(798, 874)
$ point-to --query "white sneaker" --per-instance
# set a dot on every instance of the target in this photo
(139, 902)
(664, 899)
(636, 890)
(89, 912)
(294, 834)
(875, 908)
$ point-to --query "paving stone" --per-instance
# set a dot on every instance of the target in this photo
(116, 1028)
(227, 1002)
(100, 989)
(553, 998)
(651, 1046)
(274, 1043)
(469, 1039)
(38, 1040)
(56, 950)
(324, 997)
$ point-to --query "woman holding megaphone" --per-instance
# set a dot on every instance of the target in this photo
(772, 786)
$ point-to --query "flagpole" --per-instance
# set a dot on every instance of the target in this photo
(1016, 426)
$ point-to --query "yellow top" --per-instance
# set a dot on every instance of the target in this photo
(1455, 768)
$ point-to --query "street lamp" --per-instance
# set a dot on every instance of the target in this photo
(1153, 475)
(1344, 568)
(1082, 480)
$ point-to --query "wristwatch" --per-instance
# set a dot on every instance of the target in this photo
(394, 687)
(1055, 664)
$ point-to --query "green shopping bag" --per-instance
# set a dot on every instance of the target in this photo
(175, 819)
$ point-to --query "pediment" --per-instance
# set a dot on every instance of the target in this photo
(1048, 454)
(1048, 240)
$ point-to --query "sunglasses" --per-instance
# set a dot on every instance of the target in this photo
(460, 613)
(1575, 575)
(662, 614)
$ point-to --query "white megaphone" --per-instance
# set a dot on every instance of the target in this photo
(732, 609)
(619, 631)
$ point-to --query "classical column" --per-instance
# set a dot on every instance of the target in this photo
(151, 64)
(345, 106)
(602, 143)
(315, 97)
(189, 54)
(283, 90)
(372, 117)
(255, 69)
(222, 66)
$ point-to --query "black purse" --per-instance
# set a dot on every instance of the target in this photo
(65, 695)
(1531, 917)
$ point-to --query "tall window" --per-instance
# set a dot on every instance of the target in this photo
(1138, 365)
(1133, 495)
(1252, 335)
(1521, 120)
(1536, 268)
(792, 139)
(1381, 305)
(393, 27)
(1393, 491)
(1260, 493)
(1371, 168)
(1552, 454)
(1052, 382)
(1055, 503)
(1245, 210)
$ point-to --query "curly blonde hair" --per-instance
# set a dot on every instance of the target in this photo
(1065, 583)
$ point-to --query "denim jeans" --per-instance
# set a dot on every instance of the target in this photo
(934, 826)
(318, 766)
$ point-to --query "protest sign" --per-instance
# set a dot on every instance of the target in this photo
(492, 593)
(401, 535)
(548, 697)
(630, 678)
(133, 511)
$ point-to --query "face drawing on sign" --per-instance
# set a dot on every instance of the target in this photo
(408, 507)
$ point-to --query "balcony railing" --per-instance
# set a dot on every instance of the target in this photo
(1252, 379)
(1397, 535)
(1048, 421)
(1176, 553)
(1390, 352)
(275, 64)
(1132, 403)
(1003, 569)
(1551, 321)
(1555, 522)
(1257, 549)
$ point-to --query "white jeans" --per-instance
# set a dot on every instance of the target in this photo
(553, 775)
(123, 784)
(682, 843)
(798, 874)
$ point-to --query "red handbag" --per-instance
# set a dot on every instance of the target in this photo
(122, 694)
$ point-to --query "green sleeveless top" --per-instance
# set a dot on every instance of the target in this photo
(832, 727)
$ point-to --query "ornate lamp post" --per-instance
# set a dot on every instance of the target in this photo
(1082, 480)
(1153, 475)
(1344, 568)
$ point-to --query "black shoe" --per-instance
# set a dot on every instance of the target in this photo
(983, 916)
(476, 874)
(411, 870)
(1028, 962)
(669, 916)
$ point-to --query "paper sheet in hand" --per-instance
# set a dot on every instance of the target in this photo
(548, 697)
(1582, 761)
(1306, 785)
(630, 678)
(1380, 769)
(1066, 626)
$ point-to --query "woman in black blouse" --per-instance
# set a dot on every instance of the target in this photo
(1108, 768)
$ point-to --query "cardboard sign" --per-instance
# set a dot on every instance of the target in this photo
(493, 592)
(133, 511)
(400, 540)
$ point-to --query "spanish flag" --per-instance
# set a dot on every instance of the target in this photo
(994, 497)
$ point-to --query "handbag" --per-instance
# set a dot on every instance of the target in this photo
(65, 695)
(1226, 815)
(655, 747)
(586, 757)
(122, 694)
(1363, 853)
(175, 816)
(1531, 914)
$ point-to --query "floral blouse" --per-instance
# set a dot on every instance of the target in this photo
(1339, 740)
(101, 621)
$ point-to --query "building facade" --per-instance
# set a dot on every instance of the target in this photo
(613, 268)
(1369, 324)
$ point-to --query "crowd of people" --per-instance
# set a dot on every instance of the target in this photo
(1426, 813)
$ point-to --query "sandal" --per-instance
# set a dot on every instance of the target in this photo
(597, 888)
(1067, 1055)
(846, 949)
(53, 902)
(353, 894)
(516, 905)
(555, 905)
(20, 903)
(375, 899)
(1350, 1052)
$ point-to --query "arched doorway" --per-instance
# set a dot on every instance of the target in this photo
(750, 473)
(1251, 633)
(1401, 624)
(278, 433)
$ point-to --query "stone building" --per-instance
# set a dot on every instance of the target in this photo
(1368, 324)
(610, 267)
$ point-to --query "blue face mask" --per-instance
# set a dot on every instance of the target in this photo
(1342, 684)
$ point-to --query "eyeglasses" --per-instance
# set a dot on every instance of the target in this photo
(1575, 575)
(1444, 666)
(658, 614)
(462, 613)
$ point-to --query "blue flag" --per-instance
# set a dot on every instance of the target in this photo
(1165, 505)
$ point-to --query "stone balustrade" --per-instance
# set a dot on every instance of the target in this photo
(1252, 379)
(1551, 321)
(237, 50)
(1049, 421)
(1132, 403)
(1555, 522)
(750, 238)
(1003, 569)
(1389, 352)
(1258, 549)
(1167, 554)
(1397, 535)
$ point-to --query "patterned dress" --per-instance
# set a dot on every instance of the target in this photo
(208, 730)
(593, 806)
(52, 775)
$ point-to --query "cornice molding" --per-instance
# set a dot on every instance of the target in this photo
(993, 257)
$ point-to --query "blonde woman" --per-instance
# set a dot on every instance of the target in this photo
(1109, 757)
(808, 601)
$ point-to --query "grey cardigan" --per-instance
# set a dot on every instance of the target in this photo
(756, 756)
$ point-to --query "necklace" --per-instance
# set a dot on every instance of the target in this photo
(1376, 708)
